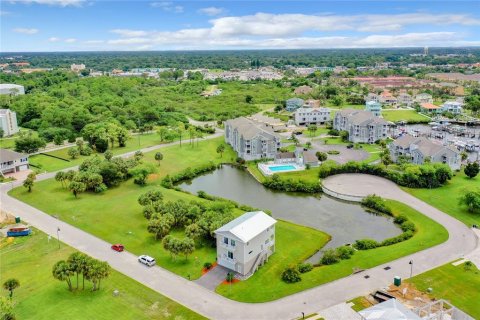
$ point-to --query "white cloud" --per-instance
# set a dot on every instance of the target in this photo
(26, 30)
(54, 39)
(4, 13)
(61, 3)
(94, 42)
(70, 40)
(167, 6)
(211, 11)
(129, 33)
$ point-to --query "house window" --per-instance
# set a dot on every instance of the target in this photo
(225, 240)
(230, 255)
(232, 242)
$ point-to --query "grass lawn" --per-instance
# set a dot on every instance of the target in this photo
(49, 164)
(360, 303)
(115, 215)
(319, 131)
(455, 284)
(428, 234)
(446, 197)
(7, 143)
(40, 296)
(405, 115)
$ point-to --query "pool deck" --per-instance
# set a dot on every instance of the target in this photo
(265, 167)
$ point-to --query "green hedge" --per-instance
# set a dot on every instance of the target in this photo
(290, 185)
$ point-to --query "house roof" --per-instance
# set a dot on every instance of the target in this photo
(248, 226)
(405, 141)
(429, 106)
(391, 309)
(9, 155)
(250, 129)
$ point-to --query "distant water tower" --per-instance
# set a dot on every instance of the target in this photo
(425, 51)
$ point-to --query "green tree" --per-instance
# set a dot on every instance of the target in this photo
(312, 129)
(73, 153)
(386, 159)
(60, 176)
(186, 246)
(108, 155)
(29, 181)
(159, 157)
(160, 226)
(464, 156)
(10, 285)
(471, 199)
(29, 144)
(163, 132)
(77, 187)
(321, 156)
(471, 169)
(291, 275)
(193, 231)
(150, 198)
(249, 99)
(62, 271)
(77, 261)
(221, 149)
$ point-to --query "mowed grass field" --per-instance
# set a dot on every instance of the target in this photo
(116, 216)
(40, 296)
(49, 164)
(266, 285)
(446, 197)
(404, 115)
(454, 284)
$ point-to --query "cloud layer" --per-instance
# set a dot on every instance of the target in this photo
(26, 30)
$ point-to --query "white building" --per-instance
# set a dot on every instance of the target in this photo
(374, 107)
(251, 140)
(246, 242)
(11, 89)
(362, 126)
(454, 107)
(372, 97)
(77, 67)
(405, 99)
(11, 161)
(8, 122)
(306, 116)
(424, 98)
(417, 150)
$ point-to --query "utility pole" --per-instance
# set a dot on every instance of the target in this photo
(58, 237)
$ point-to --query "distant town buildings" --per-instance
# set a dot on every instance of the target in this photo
(405, 99)
(424, 98)
(251, 140)
(362, 126)
(11, 89)
(11, 161)
(8, 122)
(293, 104)
(246, 243)
(77, 67)
(453, 107)
(421, 150)
(264, 73)
(430, 108)
(306, 116)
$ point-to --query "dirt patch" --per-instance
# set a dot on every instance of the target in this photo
(6, 218)
(409, 295)
(205, 270)
(235, 280)
(153, 176)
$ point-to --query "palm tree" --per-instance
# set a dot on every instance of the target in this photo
(10, 285)
(62, 271)
(76, 260)
(221, 149)
(158, 157)
(103, 272)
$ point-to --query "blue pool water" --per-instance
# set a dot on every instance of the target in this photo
(281, 168)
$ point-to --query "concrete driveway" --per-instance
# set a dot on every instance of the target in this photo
(213, 278)
(461, 242)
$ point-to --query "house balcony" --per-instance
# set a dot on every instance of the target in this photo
(228, 246)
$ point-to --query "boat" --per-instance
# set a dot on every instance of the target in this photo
(18, 232)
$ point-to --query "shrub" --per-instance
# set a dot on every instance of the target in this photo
(333, 152)
(376, 203)
(207, 265)
(330, 256)
(400, 219)
(305, 267)
(407, 226)
(290, 185)
(345, 252)
(366, 244)
(321, 156)
(333, 132)
(230, 277)
(291, 275)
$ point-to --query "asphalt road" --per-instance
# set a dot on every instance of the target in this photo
(462, 241)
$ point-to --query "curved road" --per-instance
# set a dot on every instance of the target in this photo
(462, 241)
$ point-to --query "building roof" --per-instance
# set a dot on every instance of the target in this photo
(309, 156)
(391, 309)
(429, 106)
(405, 141)
(250, 129)
(285, 155)
(308, 110)
(9, 155)
(248, 226)
(295, 100)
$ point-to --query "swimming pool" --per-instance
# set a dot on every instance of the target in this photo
(282, 168)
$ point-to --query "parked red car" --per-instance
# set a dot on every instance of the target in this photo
(118, 247)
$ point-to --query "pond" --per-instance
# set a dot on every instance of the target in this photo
(344, 221)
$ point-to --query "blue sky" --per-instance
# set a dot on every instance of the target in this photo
(79, 25)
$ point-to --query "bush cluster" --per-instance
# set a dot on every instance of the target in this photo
(290, 185)
(332, 256)
(291, 275)
(376, 203)
(431, 175)
(187, 174)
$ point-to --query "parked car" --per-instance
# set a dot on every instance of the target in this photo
(146, 260)
(350, 146)
(118, 247)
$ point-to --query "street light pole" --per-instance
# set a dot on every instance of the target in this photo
(58, 237)
(411, 268)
